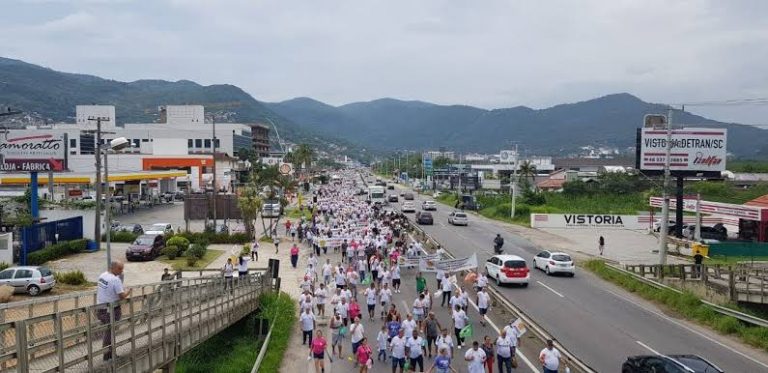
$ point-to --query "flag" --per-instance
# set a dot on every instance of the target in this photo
(466, 332)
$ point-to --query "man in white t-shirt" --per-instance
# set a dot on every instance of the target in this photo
(550, 358)
(415, 351)
(397, 350)
(327, 270)
(110, 290)
(356, 334)
(445, 341)
(408, 325)
(385, 296)
(320, 295)
(459, 322)
(475, 358)
(370, 300)
(505, 350)
(343, 310)
(483, 302)
(447, 288)
(307, 320)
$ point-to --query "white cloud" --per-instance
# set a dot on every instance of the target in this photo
(492, 53)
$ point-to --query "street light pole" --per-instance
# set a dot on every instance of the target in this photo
(215, 188)
(513, 185)
(664, 231)
(97, 148)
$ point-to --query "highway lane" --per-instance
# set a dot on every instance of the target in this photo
(597, 321)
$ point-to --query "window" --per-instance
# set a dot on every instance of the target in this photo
(198, 143)
(514, 264)
(73, 143)
(144, 140)
(207, 143)
(136, 143)
(218, 143)
(23, 273)
(7, 274)
(189, 143)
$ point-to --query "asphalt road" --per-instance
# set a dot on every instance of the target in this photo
(597, 321)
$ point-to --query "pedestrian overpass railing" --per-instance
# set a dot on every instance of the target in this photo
(159, 322)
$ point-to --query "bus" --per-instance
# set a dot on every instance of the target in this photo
(376, 194)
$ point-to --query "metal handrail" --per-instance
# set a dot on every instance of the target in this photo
(262, 350)
(716, 307)
(158, 326)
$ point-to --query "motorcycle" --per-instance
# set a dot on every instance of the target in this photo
(497, 249)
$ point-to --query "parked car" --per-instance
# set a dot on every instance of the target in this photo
(408, 207)
(657, 224)
(716, 232)
(390, 187)
(458, 218)
(32, 280)
(402, 193)
(429, 205)
(554, 262)
(408, 196)
(668, 364)
(392, 198)
(271, 210)
(424, 218)
(145, 247)
(507, 269)
(160, 228)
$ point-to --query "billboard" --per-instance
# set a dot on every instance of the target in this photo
(427, 163)
(694, 151)
(507, 156)
(590, 221)
(33, 152)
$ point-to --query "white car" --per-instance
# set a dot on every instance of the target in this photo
(458, 218)
(508, 269)
(429, 205)
(160, 228)
(657, 224)
(408, 206)
(554, 262)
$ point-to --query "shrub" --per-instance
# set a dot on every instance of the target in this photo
(120, 236)
(216, 238)
(56, 251)
(178, 241)
(4, 266)
(191, 260)
(6, 293)
(246, 250)
(197, 251)
(76, 277)
(170, 251)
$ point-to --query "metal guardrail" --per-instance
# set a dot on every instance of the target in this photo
(716, 307)
(262, 350)
(574, 362)
(157, 326)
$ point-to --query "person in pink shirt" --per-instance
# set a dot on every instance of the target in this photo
(294, 255)
(317, 349)
(354, 309)
(364, 354)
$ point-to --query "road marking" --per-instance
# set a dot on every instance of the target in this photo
(498, 331)
(686, 327)
(648, 348)
(550, 289)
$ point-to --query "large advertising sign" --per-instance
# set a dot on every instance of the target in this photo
(590, 221)
(693, 150)
(33, 152)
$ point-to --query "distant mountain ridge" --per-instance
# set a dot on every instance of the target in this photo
(381, 125)
(610, 121)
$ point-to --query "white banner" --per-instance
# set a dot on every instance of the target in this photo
(589, 221)
(449, 265)
(693, 149)
(414, 261)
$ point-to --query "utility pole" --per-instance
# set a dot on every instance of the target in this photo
(513, 185)
(664, 231)
(97, 151)
(215, 188)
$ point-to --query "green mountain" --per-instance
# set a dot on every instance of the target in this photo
(389, 124)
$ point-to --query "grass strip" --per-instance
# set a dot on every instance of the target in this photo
(181, 262)
(281, 310)
(687, 305)
(234, 350)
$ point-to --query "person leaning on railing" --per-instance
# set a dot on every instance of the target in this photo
(110, 291)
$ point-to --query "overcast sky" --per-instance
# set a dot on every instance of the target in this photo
(486, 53)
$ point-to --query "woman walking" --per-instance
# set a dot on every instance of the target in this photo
(364, 356)
(317, 349)
(442, 363)
(294, 255)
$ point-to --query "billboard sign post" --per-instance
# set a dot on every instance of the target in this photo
(694, 151)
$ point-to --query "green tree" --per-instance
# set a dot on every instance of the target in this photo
(303, 157)
(527, 173)
(250, 205)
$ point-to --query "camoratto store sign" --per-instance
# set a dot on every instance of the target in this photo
(33, 153)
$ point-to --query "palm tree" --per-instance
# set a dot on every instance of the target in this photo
(303, 157)
(250, 205)
(527, 171)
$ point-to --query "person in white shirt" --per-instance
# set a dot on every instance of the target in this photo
(396, 278)
(550, 358)
(312, 261)
(320, 295)
(464, 298)
(415, 349)
(397, 351)
(482, 281)
(455, 300)
(341, 279)
(255, 250)
(447, 288)
(228, 271)
(483, 302)
(308, 324)
(385, 295)
(440, 276)
(475, 358)
(370, 300)
(305, 302)
(445, 341)
(381, 341)
(409, 324)
(419, 309)
(459, 322)
(505, 351)
(110, 290)
(356, 334)
(327, 270)
(343, 310)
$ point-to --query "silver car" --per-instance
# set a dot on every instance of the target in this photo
(30, 280)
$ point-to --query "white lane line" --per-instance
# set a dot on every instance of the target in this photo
(550, 289)
(686, 327)
(498, 331)
(648, 348)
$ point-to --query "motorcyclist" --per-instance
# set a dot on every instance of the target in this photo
(498, 242)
